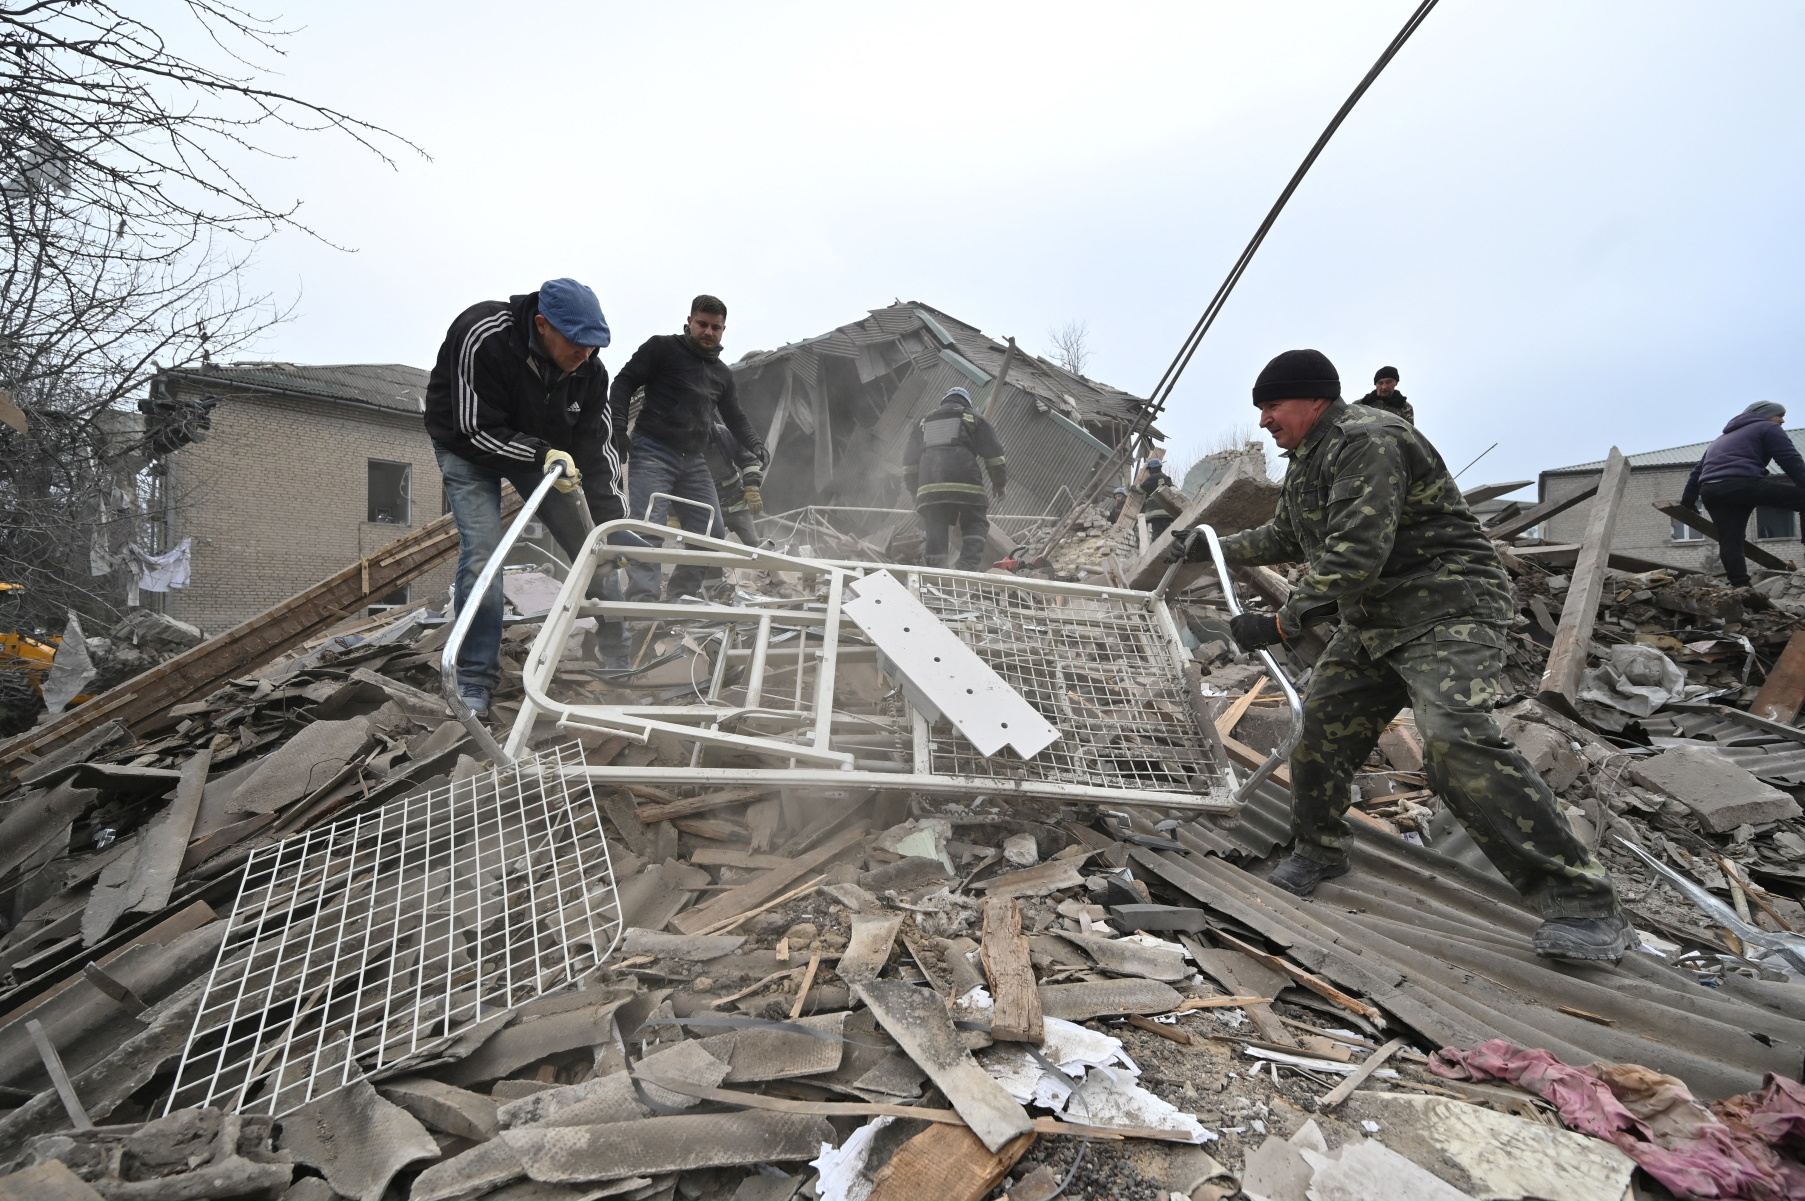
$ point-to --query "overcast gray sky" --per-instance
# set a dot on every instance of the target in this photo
(1569, 223)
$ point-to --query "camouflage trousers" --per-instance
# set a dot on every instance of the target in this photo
(1450, 678)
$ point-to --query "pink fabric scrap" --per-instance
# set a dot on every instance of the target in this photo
(1731, 1152)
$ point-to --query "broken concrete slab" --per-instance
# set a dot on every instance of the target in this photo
(1131, 958)
(612, 1098)
(1055, 876)
(1503, 1156)
(873, 938)
(691, 948)
(759, 1054)
(852, 896)
(652, 898)
(471, 1173)
(1366, 1169)
(1108, 998)
(1721, 794)
(444, 1107)
(917, 1020)
(573, 1154)
(357, 1140)
(534, 1036)
(48, 1181)
(302, 764)
(186, 1155)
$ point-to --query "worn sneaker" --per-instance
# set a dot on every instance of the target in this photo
(475, 698)
(1300, 875)
(1606, 938)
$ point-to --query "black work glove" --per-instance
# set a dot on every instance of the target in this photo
(1188, 546)
(1252, 631)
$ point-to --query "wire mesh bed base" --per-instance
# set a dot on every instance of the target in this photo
(372, 942)
(777, 696)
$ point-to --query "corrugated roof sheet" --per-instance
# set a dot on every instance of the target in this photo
(387, 385)
(1442, 943)
(1677, 456)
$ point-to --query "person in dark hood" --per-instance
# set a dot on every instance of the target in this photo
(1385, 395)
(518, 392)
(1733, 479)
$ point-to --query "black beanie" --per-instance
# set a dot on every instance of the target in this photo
(1386, 373)
(1298, 375)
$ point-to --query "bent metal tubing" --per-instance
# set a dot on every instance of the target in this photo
(448, 662)
(1276, 673)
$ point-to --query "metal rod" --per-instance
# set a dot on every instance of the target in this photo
(1289, 743)
(755, 675)
(460, 629)
(824, 675)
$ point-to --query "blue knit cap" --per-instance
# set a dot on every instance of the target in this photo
(961, 393)
(574, 312)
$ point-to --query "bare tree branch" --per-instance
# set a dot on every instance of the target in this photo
(1071, 348)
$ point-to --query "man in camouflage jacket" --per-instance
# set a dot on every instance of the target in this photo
(1395, 553)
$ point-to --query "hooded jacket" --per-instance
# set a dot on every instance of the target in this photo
(685, 389)
(496, 399)
(1743, 451)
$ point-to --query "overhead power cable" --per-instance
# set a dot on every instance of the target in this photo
(1162, 391)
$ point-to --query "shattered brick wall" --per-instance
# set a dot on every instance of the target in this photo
(276, 499)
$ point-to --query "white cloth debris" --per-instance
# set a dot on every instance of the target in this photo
(842, 1170)
(70, 670)
(160, 573)
(1638, 680)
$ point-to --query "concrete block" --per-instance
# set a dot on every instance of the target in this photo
(1549, 752)
(1721, 794)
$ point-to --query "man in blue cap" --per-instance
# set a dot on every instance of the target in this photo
(687, 389)
(518, 392)
(950, 451)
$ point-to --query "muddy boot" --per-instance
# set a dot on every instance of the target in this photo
(1300, 876)
(1606, 938)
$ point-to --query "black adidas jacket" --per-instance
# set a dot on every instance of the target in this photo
(684, 390)
(494, 400)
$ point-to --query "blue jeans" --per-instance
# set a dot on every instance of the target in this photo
(655, 467)
(475, 496)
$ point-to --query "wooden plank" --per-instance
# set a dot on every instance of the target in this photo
(1707, 527)
(756, 892)
(1485, 492)
(1504, 531)
(201, 669)
(916, 1019)
(1345, 1089)
(1567, 657)
(1784, 691)
(688, 806)
(1016, 1016)
(1231, 717)
(1315, 984)
(946, 1163)
(1246, 977)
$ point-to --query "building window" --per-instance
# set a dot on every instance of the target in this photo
(1776, 523)
(389, 492)
(1685, 533)
(399, 596)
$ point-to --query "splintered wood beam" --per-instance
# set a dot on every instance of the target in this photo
(1016, 1016)
(1506, 530)
(1707, 527)
(946, 1163)
(1567, 657)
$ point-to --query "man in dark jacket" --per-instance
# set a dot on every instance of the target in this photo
(1385, 395)
(1734, 481)
(1424, 604)
(1117, 500)
(516, 392)
(739, 477)
(950, 452)
(687, 389)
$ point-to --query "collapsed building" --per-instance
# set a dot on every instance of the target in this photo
(781, 913)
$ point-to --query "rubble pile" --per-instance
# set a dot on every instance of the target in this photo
(879, 993)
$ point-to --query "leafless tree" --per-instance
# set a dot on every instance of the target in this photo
(1071, 346)
(124, 227)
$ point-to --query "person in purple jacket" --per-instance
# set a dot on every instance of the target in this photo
(1732, 478)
